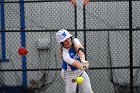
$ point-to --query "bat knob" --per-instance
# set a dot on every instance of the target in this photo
(73, 80)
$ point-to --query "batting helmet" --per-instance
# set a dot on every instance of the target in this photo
(62, 35)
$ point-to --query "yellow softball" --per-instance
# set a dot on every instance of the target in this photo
(79, 80)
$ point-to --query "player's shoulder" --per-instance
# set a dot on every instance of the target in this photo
(65, 51)
(76, 40)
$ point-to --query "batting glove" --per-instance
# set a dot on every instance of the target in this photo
(86, 63)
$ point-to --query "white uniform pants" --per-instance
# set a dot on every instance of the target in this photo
(85, 87)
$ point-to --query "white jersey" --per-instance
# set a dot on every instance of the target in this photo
(69, 56)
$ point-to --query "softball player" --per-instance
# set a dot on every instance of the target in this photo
(73, 62)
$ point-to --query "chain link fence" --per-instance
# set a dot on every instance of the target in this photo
(105, 28)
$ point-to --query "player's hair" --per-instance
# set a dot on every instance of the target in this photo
(61, 53)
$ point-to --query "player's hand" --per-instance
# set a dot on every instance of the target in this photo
(86, 63)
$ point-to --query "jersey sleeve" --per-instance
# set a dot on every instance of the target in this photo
(67, 58)
(76, 42)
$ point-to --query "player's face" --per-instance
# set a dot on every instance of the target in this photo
(67, 43)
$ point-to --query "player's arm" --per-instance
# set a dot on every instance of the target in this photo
(77, 64)
(73, 62)
(81, 52)
(80, 49)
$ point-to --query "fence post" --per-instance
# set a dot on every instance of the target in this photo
(131, 46)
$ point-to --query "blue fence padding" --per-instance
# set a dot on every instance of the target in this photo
(23, 42)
